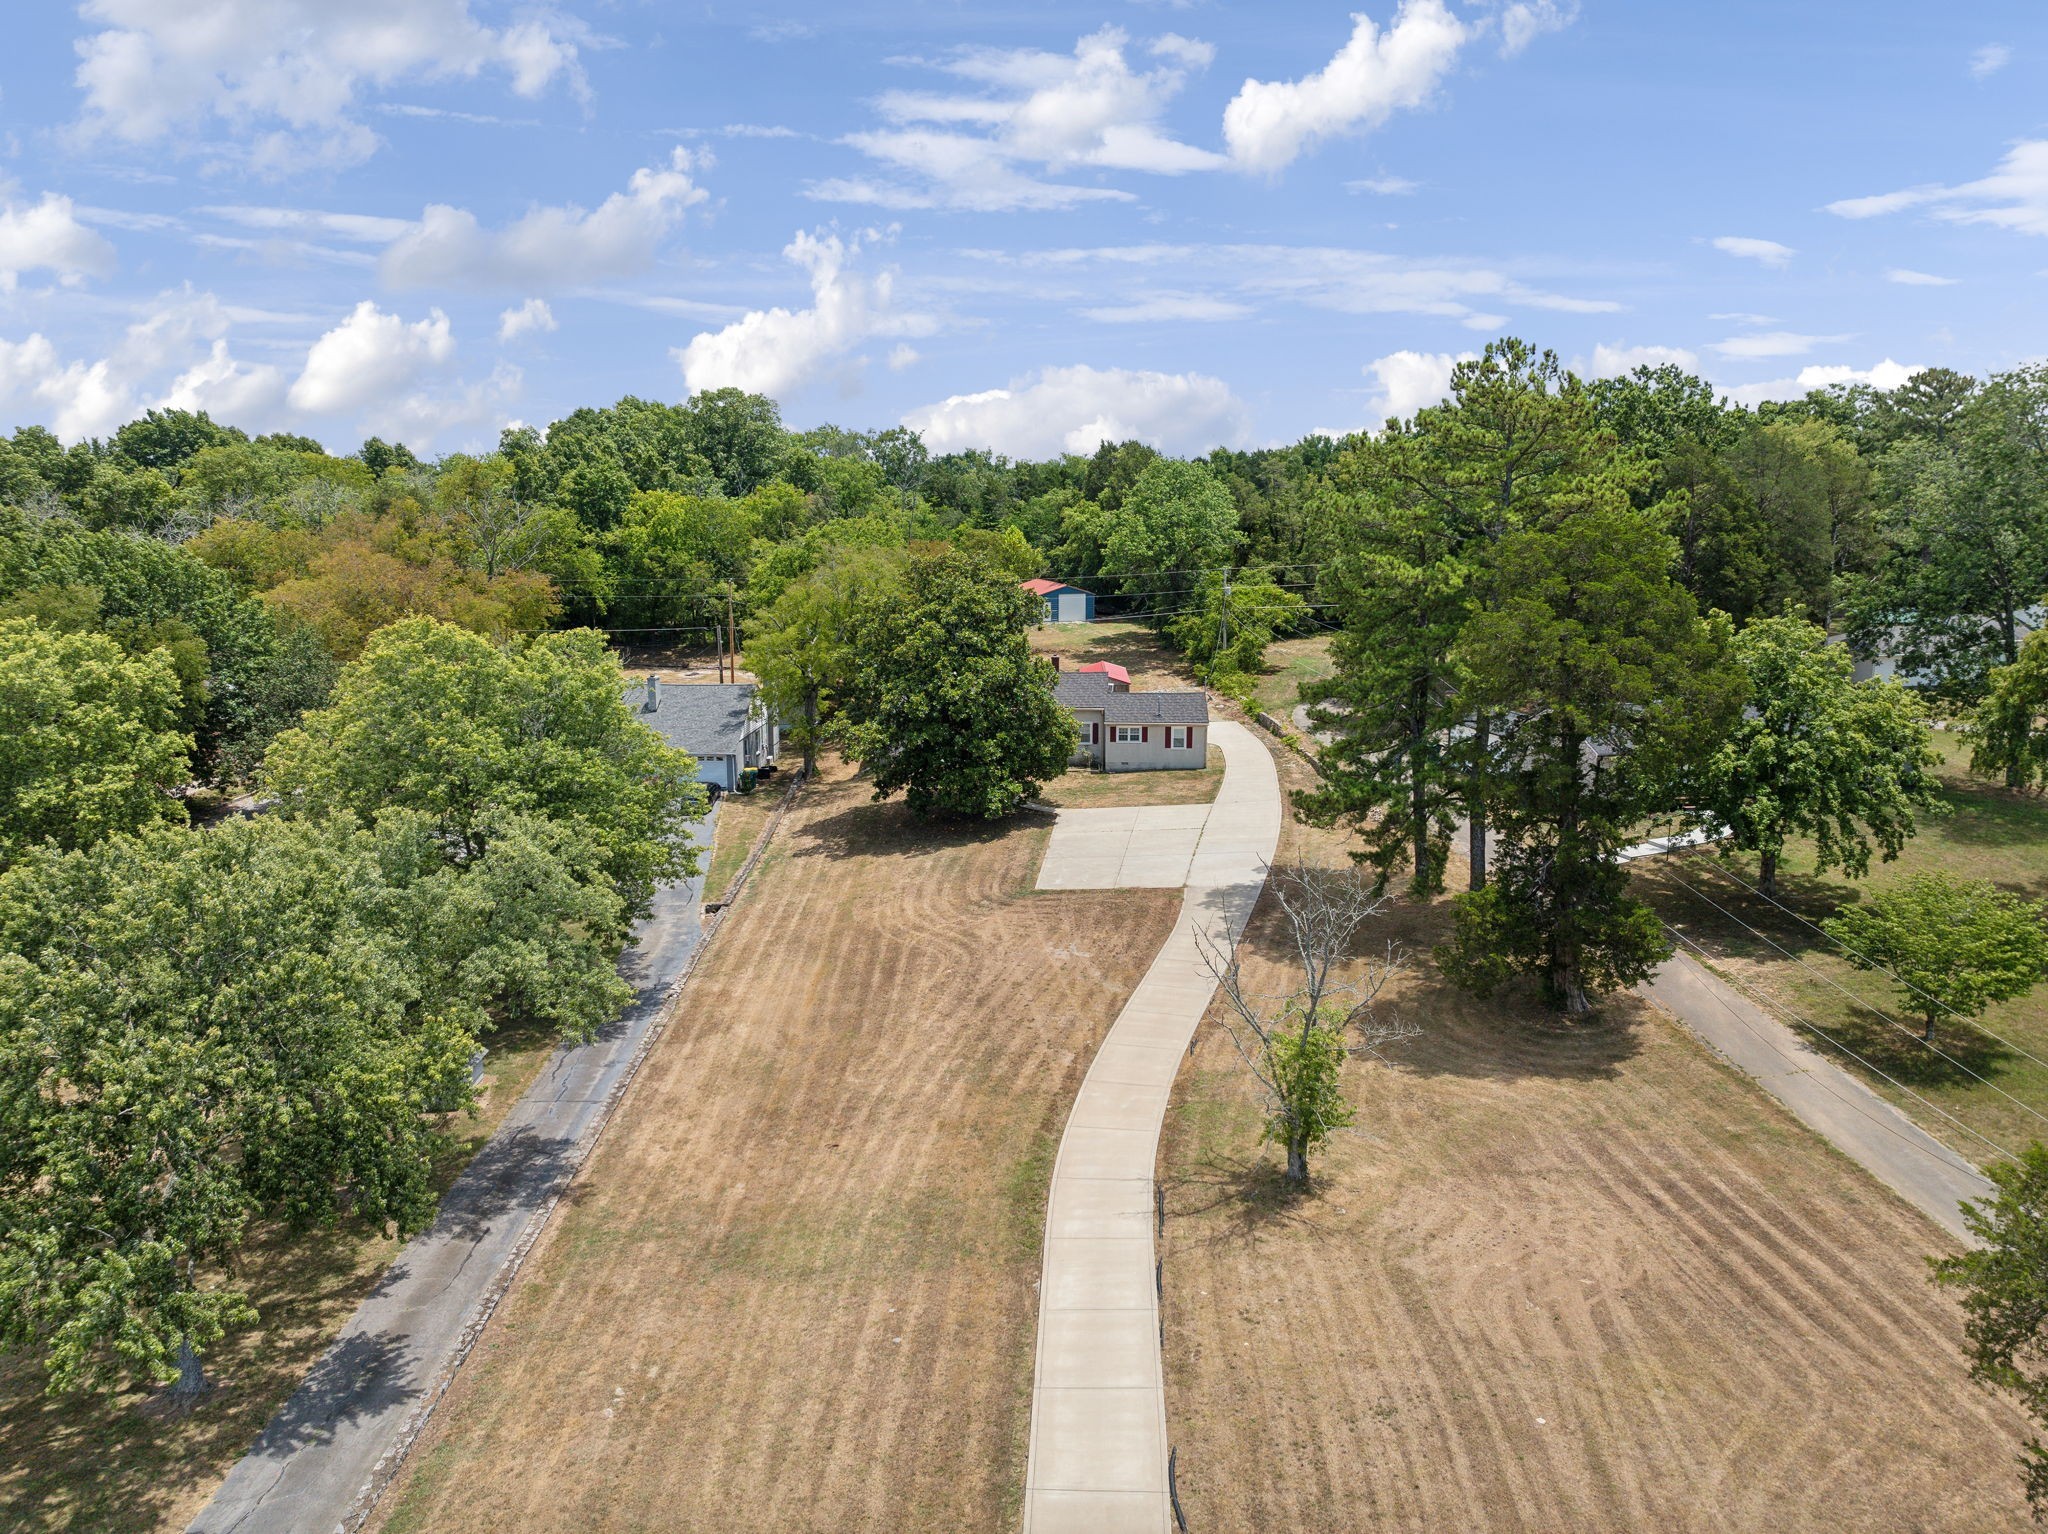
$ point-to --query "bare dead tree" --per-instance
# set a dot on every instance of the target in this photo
(1294, 1042)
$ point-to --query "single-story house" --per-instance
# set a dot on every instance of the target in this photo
(1125, 731)
(1063, 603)
(725, 725)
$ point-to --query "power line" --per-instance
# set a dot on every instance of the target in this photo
(1873, 964)
(1845, 1049)
(1863, 1002)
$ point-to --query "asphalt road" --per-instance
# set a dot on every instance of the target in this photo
(324, 1457)
(1863, 1126)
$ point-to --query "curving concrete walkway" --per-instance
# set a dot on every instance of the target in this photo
(1098, 1404)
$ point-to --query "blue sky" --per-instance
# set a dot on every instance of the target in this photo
(1018, 227)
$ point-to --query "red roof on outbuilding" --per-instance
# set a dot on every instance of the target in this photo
(1109, 669)
(1042, 587)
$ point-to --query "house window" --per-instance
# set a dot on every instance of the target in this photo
(1091, 733)
(1180, 737)
(1129, 734)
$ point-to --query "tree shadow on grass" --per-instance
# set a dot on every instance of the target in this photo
(1508, 1035)
(889, 830)
(1251, 1193)
(1512, 1035)
(1891, 1042)
(115, 1464)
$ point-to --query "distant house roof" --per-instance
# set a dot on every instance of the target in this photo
(704, 719)
(1091, 690)
(1041, 587)
(1108, 668)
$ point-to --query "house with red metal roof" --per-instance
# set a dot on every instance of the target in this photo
(1125, 731)
(1063, 603)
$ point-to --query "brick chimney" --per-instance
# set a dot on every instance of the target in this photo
(1055, 661)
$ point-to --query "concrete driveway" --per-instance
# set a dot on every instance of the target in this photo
(1134, 847)
(323, 1459)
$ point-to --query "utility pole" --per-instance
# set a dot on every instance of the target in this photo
(718, 643)
(732, 632)
(1223, 621)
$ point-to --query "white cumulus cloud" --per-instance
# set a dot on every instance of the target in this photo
(1906, 277)
(1615, 361)
(772, 351)
(1268, 124)
(1883, 375)
(549, 246)
(75, 399)
(534, 314)
(47, 236)
(1031, 114)
(1769, 252)
(1076, 409)
(246, 394)
(1408, 381)
(370, 357)
(287, 76)
(2014, 196)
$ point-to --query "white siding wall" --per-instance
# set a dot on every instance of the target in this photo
(1153, 755)
(1087, 753)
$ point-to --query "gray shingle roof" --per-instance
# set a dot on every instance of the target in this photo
(704, 719)
(1092, 691)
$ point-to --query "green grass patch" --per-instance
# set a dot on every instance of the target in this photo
(1982, 831)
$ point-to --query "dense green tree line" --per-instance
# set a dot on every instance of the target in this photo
(204, 1030)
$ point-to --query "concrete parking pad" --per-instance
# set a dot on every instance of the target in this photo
(1099, 1442)
(1131, 847)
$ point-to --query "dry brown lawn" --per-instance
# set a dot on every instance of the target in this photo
(1081, 788)
(796, 1286)
(1555, 1280)
(1136, 647)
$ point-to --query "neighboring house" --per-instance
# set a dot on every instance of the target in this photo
(725, 725)
(1063, 603)
(1125, 731)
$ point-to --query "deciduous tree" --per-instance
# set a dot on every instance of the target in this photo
(804, 649)
(949, 703)
(1815, 754)
(2009, 730)
(197, 1031)
(1175, 523)
(89, 739)
(469, 732)
(1295, 1045)
(2003, 1281)
(1951, 945)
